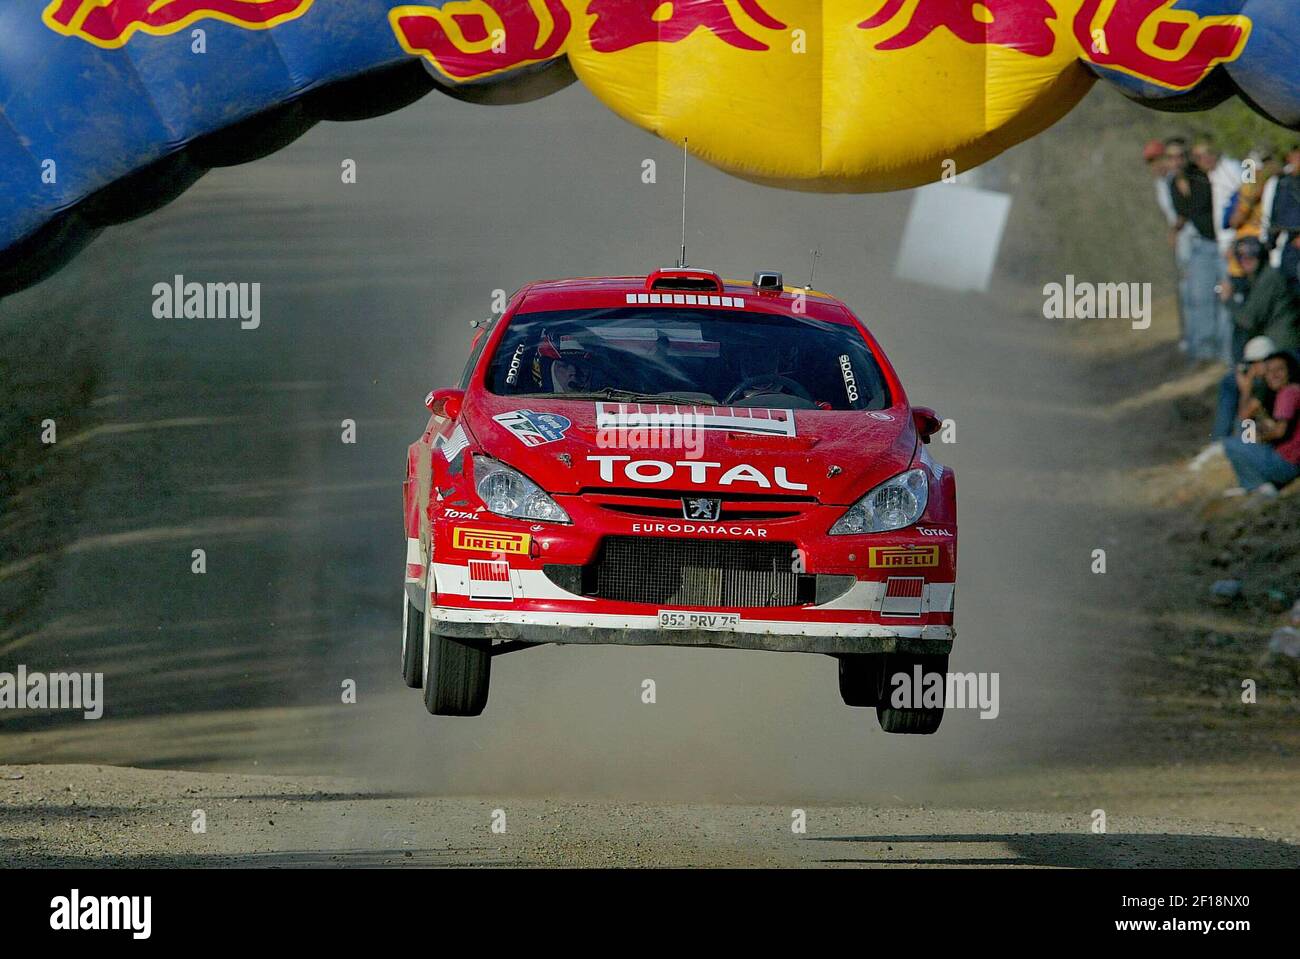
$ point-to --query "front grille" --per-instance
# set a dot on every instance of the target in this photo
(602, 494)
(700, 573)
(675, 512)
(667, 504)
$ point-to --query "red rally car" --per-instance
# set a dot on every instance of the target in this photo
(675, 459)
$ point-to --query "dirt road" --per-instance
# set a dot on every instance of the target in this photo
(195, 434)
(106, 816)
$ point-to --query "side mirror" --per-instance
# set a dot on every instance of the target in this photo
(927, 422)
(446, 402)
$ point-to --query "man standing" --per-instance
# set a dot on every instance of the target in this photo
(1281, 224)
(1159, 165)
(1157, 161)
(1193, 200)
(1224, 174)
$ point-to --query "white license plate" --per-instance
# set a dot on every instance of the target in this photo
(685, 619)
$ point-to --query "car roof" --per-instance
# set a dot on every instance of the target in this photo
(593, 292)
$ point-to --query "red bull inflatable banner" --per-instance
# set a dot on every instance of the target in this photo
(112, 24)
(836, 95)
(842, 94)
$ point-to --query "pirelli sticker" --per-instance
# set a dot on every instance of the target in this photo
(902, 557)
(489, 540)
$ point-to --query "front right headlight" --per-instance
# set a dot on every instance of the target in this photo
(508, 492)
(895, 503)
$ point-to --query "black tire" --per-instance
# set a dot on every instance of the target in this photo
(456, 675)
(920, 721)
(412, 645)
(862, 678)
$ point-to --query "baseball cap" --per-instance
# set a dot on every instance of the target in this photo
(1259, 348)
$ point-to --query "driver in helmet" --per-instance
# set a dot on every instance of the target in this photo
(574, 368)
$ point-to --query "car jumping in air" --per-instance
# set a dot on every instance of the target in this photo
(675, 459)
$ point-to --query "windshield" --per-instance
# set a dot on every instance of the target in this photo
(731, 358)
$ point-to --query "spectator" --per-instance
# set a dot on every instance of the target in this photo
(1194, 203)
(1239, 391)
(1225, 179)
(1262, 306)
(1225, 176)
(1273, 460)
(1281, 222)
(1159, 165)
(1242, 391)
(1246, 209)
(1180, 232)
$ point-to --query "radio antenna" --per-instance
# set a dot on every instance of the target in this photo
(682, 262)
(812, 270)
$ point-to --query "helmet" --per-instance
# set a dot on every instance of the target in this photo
(589, 363)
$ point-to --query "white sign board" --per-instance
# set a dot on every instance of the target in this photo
(952, 236)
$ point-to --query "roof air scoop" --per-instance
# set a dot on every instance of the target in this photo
(677, 278)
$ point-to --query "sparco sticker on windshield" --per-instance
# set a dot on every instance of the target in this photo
(850, 381)
(512, 375)
(534, 429)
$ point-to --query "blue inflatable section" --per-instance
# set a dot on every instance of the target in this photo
(1267, 74)
(77, 118)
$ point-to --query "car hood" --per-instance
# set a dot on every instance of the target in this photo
(570, 446)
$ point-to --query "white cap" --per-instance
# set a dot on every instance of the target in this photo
(1259, 348)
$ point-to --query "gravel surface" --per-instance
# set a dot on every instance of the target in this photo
(111, 816)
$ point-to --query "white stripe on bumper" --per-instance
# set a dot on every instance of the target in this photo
(863, 596)
(526, 583)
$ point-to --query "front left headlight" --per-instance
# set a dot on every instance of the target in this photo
(508, 492)
(895, 503)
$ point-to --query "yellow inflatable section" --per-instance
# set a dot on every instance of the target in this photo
(820, 105)
(836, 95)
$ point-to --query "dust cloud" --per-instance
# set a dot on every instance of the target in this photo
(367, 291)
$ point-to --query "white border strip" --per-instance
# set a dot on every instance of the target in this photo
(686, 299)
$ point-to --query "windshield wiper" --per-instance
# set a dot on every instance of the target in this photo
(630, 396)
(609, 393)
(674, 398)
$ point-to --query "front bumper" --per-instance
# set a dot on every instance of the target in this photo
(781, 636)
(497, 579)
